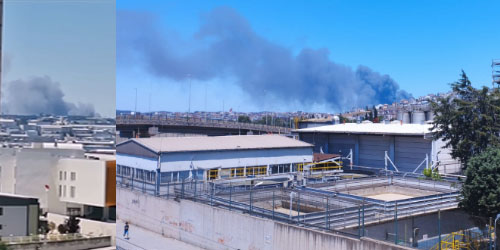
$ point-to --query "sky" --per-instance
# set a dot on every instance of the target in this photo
(405, 47)
(59, 56)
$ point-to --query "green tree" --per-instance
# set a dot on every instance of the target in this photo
(244, 118)
(480, 193)
(468, 120)
(3, 246)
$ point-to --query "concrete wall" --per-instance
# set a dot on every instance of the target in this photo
(77, 244)
(14, 221)
(7, 167)
(96, 228)
(215, 228)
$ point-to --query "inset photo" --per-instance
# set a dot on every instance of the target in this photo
(57, 124)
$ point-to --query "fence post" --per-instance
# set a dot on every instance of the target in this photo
(195, 187)
(359, 221)
(363, 222)
(327, 220)
(273, 204)
(168, 189)
(182, 189)
(439, 227)
(396, 223)
(230, 196)
(298, 207)
(250, 199)
(211, 193)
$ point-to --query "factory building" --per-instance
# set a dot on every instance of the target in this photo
(405, 146)
(179, 158)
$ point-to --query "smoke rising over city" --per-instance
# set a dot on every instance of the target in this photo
(226, 46)
(40, 95)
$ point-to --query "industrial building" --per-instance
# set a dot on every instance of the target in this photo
(18, 215)
(88, 187)
(397, 146)
(178, 158)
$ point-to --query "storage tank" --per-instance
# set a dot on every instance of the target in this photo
(336, 120)
(406, 118)
(429, 115)
(399, 115)
(418, 117)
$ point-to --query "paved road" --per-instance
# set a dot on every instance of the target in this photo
(141, 238)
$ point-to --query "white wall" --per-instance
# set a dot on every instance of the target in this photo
(443, 155)
(233, 158)
(14, 221)
(7, 173)
(96, 228)
(89, 184)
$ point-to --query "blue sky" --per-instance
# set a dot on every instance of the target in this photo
(71, 41)
(422, 45)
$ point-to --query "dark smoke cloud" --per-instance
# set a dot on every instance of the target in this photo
(227, 46)
(39, 95)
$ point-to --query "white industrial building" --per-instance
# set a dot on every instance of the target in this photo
(405, 146)
(178, 158)
(87, 186)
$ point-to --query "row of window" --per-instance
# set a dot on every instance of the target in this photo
(150, 176)
(63, 174)
(138, 174)
(62, 191)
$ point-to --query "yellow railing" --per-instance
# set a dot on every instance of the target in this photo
(459, 241)
(320, 166)
(236, 172)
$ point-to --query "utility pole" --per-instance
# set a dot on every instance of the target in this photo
(189, 105)
(135, 107)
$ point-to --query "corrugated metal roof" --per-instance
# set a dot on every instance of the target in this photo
(183, 144)
(372, 128)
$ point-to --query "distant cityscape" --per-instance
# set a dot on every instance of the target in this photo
(46, 131)
(413, 110)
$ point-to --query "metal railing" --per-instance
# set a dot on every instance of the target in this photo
(197, 122)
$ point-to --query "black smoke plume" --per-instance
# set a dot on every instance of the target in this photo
(39, 95)
(227, 46)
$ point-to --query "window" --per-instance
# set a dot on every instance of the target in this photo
(64, 175)
(1, 211)
(0, 226)
(73, 176)
(60, 190)
(60, 175)
(64, 191)
(72, 191)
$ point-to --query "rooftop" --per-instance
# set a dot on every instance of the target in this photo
(372, 128)
(183, 144)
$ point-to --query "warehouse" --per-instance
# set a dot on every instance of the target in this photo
(399, 146)
(179, 158)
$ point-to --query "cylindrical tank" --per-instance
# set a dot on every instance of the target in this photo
(418, 117)
(336, 120)
(406, 117)
(429, 115)
(399, 115)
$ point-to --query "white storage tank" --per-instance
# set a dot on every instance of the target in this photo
(418, 117)
(406, 117)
